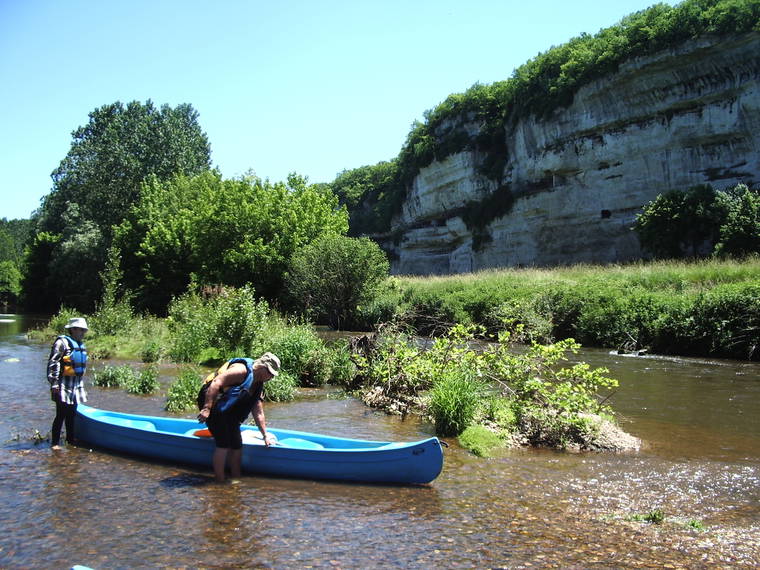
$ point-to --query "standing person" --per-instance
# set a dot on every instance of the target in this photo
(230, 397)
(66, 367)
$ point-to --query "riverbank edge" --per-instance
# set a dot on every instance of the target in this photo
(703, 308)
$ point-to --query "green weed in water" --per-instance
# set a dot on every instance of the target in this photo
(113, 376)
(480, 440)
(281, 389)
(654, 517)
(183, 392)
(695, 524)
(146, 382)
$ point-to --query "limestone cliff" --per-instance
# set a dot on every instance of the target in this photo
(577, 179)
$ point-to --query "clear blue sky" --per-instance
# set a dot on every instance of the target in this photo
(307, 86)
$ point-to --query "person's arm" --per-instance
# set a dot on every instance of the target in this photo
(258, 417)
(54, 364)
(233, 376)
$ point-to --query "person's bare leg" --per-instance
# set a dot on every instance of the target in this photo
(235, 458)
(219, 460)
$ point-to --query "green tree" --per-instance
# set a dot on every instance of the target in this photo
(7, 246)
(230, 232)
(157, 237)
(367, 193)
(331, 277)
(15, 235)
(10, 283)
(678, 223)
(101, 177)
(740, 232)
(39, 292)
(115, 151)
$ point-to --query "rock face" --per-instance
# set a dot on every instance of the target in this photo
(670, 121)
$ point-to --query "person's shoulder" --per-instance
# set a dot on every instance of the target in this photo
(236, 370)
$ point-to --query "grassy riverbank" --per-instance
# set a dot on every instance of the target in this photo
(704, 308)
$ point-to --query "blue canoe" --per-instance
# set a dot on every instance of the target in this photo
(296, 454)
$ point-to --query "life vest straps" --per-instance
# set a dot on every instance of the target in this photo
(75, 363)
(234, 394)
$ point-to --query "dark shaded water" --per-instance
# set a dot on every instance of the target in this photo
(700, 421)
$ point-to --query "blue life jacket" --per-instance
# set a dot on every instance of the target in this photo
(238, 397)
(74, 363)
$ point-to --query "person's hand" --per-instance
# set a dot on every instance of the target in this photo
(203, 415)
(55, 393)
(269, 439)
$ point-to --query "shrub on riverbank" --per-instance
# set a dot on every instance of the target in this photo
(529, 396)
(208, 329)
(706, 308)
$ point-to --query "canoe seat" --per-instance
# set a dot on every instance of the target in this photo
(125, 422)
(299, 443)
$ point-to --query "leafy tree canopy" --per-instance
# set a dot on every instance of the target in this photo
(115, 151)
(10, 282)
(230, 232)
(369, 186)
(740, 232)
(94, 186)
(14, 237)
(701, 221)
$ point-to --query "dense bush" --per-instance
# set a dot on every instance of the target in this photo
(144, 382)
(532, 392)
(701, 221)
(740, 230)
(454, 401)
(281, 388)
(233, 323)
(220, 326)
(329, 279)
(113, 376)
(302, 352)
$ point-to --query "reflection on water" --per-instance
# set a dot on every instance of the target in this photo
(525, 507)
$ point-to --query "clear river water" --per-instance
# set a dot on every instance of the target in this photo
(699, 420)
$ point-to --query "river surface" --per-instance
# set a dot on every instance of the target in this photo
(700, 464)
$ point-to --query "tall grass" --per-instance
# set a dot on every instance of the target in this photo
(708, 307)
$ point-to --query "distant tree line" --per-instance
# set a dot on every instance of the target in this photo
(14, 235)
(137, 217)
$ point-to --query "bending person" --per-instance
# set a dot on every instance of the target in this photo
(230, 397)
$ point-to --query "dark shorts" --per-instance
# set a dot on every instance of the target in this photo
(226, 430)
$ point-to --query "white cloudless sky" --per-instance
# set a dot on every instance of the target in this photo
(307, 86)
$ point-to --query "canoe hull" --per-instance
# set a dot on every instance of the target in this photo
(298, 454)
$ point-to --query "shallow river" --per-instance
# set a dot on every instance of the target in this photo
(699, 420)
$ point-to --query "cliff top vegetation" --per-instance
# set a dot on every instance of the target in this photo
(547, 82)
